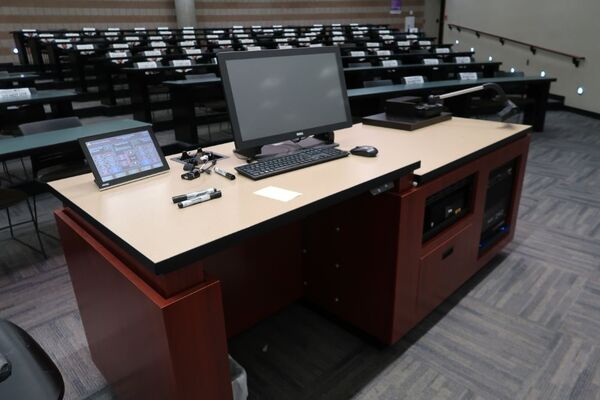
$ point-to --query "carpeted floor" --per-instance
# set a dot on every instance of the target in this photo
(526, 327)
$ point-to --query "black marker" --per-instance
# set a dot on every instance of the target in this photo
(199, 199)
(226, 174)
(192, 195)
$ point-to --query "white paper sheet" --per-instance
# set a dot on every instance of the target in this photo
(276, 193)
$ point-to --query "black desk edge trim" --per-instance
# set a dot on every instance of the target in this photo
(46, 100)
(193, 255)
(418, 66)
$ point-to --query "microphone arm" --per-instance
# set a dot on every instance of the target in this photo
(508, 111)
(474, 89)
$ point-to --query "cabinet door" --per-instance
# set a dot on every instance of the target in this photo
(445, 269)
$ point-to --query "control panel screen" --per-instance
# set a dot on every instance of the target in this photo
(123, 157)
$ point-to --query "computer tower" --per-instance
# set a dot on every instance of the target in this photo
(497, 204)
(447, 206)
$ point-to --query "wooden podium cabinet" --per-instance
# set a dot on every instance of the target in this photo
(160, 290)
(367, 254)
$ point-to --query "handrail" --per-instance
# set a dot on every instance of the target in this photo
(532, 47)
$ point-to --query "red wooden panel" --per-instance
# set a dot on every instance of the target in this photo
(259, 276)
(411, 247)
(146, 346)
(517, 150)
(350, 261)
(166, 284)
(445, 269)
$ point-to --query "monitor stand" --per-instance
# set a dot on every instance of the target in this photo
(248, 154)
(287, 147)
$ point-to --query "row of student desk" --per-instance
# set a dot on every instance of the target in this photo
(537, 90)
(160, 289)
(7, 80)
(25, 41)
(78, 59)
(25, 146)
(184, 93)
(60, 102)
(141, 79)
(355, 76)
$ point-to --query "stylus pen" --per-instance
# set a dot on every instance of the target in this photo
(226, 174)
(192, 195)
(199, 199)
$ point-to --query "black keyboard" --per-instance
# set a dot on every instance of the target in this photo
(290, 162)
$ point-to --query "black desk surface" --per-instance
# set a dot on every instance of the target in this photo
(168, 68)
(18, 76)
(196, 82)
(411, 55)
(24, 145)
(450, 84)
(412, 66)
(192, 82)
(41, 96)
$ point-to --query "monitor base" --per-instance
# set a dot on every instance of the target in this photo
(248, 154)
(287, 147)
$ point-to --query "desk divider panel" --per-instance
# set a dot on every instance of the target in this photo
(259, 276)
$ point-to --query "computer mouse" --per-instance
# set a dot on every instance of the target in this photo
(364, 151)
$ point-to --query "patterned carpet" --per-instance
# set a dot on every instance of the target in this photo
(526, 327)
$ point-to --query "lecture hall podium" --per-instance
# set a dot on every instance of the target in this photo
(161, 289)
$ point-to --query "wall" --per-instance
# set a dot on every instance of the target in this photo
(431, 16)
(213, 13)
(571, 27)
(75, 14)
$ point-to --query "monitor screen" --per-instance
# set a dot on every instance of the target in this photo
(120, 157)
(276, 95)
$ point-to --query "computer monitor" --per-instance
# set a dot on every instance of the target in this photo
(279, 95)
(123, 156)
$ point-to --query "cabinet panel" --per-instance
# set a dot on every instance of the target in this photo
(350, 261)
(444, 269)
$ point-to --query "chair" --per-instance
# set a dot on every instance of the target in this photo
(26, 371)
(5, 169)
(264, 43)
(64, 162)
(419, 51)
(516, 92)
(6, 85)
(378, 82)
(10, 198)
(348, 46)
